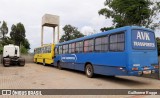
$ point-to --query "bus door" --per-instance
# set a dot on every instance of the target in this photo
(68, 60)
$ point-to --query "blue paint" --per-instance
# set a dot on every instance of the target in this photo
(143, 39)
(115, 63)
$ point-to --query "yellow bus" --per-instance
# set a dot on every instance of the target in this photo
(44, 54)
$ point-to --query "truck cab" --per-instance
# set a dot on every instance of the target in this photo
(11, 56)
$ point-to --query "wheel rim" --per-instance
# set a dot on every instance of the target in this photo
(89, 70)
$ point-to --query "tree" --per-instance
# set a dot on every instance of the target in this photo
(26, 43)
(106, 28)
(4, 29)
(70, 32)
(18, 33)
(158, 45)
(131, 12)
(6, 41)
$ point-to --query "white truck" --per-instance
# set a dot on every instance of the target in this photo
(11, 56)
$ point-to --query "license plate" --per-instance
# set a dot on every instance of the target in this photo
(147, 72)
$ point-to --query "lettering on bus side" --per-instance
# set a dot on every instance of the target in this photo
(68, 58)
(143, 39)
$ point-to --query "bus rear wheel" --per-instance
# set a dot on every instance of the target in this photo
(59, 66)
(44, 63)
(89, 70)
(36, 61)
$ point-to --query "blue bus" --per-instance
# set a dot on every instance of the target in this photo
(129, 50)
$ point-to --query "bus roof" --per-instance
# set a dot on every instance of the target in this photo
(104, 33)
(45, 45)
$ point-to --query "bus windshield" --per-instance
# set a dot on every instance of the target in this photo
(143, 40)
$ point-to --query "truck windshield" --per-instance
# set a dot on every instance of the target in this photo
(143, 40)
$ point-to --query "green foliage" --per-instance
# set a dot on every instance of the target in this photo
(158, 45)
(131, 12)
(26, 43)
(106, 28)
(23, 50)
(17, 37)
(6, 41)
(70, 32)
(1, 49)
(4, 29)
(18, 33)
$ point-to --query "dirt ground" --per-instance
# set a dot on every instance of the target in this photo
(37, 76)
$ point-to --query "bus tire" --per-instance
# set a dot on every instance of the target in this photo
(59, 66)
(36, 61)
(89, 70)
(44, 63)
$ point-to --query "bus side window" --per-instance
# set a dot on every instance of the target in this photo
(70, 48)
(60, 49)
(77, 47)
(116, 42)
(91, 45)
(85, 45)
(73, 48)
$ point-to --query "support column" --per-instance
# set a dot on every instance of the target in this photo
(42, 36)
(53, 35)
(58, 34)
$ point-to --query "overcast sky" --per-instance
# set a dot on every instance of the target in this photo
(79, 13)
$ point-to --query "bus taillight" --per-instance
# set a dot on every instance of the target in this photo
(156, 66)
(135, 68)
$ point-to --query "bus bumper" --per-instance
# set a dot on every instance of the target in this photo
(139, 73)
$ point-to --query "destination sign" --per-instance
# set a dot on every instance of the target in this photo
(143, 39)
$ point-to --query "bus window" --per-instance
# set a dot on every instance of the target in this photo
(104, 43)
(117, 42)
(70, 48)
(60, 49)
(120, 40)
(98, 44)
(65, 49)
(88, 45)
(79, 47)
(73, 48)
(143, 40)
(101, 44)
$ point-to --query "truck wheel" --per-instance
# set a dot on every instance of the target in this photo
(89, 70)
(21, 62)
(59, 66)
(6, 62)
(44, 63)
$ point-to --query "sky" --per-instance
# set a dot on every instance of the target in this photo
(82, 14)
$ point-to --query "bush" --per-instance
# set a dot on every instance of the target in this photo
(23, 50)
(1, 49)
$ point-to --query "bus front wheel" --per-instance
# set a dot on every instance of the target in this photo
(89, 70)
